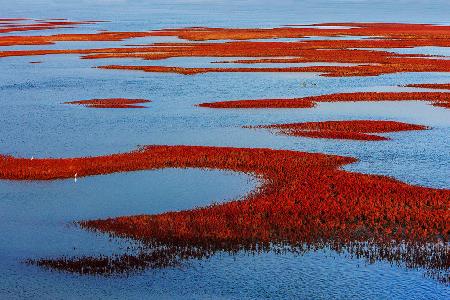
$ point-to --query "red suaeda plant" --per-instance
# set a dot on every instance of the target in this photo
(394, 66)
(111, 103)
(436, 98)
(351, 130)
(384, 35)
(438, 86)
(306, 202)
(17, 24)
(364, 62)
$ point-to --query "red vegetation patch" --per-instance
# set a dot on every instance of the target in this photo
(193, 71)
(262, 103)
(111, 103)
(306, 203)
(69, 37)
(438, 86)
(392, 35)
(442, 104)
(351, 130)
(390, 31)
(396, 66)
(12, 25)
(437, 99)
(370, 63)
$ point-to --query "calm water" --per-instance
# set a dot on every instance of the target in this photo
(35, 217)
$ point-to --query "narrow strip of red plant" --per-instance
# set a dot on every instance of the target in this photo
(12, 25)
(351, 130)
(111, 103)
(436, 98)
(396, 65)
(438, 86)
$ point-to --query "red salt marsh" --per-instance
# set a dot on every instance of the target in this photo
(306, 202)
(370, 62)
(111, 103)
(443, 104)
(391, 31)
(406, 35)
(350, 130)
(407, 65)
(436, 99)
(414, 34)
(437, 86)
(16, 25)
(69, 37)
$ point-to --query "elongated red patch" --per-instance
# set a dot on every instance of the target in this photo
(349, 130)
(436, 98)
(18, 25)
(111, 103)
(437, 86)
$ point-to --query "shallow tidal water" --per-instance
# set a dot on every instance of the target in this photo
(36, 217)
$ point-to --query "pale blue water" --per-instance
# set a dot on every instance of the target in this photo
(34, 215)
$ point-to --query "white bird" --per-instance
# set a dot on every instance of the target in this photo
(76, 177)
(32, 157)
